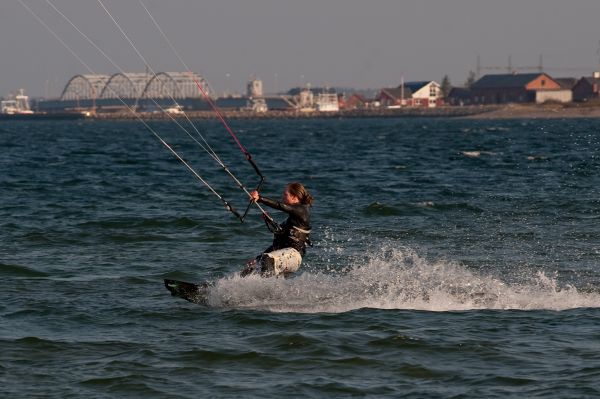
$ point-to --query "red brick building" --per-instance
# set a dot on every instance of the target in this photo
(355, 101)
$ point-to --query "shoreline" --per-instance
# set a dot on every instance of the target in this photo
(508, 111)
(505, 111)
(440, 112)
(542, 111)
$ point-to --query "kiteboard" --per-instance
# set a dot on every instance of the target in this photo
(195, 293)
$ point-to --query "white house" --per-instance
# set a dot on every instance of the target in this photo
(412, 94)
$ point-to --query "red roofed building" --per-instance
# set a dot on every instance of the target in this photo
(518, 88)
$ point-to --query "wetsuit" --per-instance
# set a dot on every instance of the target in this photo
(295, 231)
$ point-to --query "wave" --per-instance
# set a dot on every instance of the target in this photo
(418, 209)
(398, 278)
(177, 222)
(20, 271)
(379, 209)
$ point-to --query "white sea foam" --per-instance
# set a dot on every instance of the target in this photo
(476, 154)
(398, 278)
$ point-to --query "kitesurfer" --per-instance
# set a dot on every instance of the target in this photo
(291, 237)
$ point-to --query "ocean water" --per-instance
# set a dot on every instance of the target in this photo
(451, 258)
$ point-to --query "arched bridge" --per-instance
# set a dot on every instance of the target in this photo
(136, 86)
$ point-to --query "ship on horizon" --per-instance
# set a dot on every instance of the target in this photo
(17, 108)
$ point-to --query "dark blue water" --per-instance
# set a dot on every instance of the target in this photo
(451, 258)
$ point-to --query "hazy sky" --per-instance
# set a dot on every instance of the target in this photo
(357, 43)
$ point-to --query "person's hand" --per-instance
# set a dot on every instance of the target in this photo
(254, 195)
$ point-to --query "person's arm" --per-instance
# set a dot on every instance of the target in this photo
(296, 210)
(279, 205)
(275, 204)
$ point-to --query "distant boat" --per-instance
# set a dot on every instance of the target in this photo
(327, 102)
(18, 108)
(176, 109)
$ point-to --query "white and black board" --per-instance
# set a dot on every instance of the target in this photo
(196, 293)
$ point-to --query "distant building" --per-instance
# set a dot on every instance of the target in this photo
(356, 101)
(278, 103)
(254, 92)
(587, 88)
(459, 96)
(518, 88)
(327, 102)
(412, 94)
(394, 97)
(566, 83)
(306, 100)
(255, 88)
(310, 99)
(425, 94)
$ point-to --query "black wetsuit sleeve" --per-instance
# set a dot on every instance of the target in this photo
(297, 211)
(276, 204)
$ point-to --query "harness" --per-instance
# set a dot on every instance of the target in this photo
(294, 237)
(300, 235)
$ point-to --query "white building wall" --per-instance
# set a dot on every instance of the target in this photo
(430, 91)
(255, 88)
(561, 96)
(327, 102)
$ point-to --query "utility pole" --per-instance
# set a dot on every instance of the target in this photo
(402, 102)
(597, 72)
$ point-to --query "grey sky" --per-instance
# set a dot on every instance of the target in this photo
(358, 43)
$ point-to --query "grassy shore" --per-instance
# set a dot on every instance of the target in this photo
(542, 111)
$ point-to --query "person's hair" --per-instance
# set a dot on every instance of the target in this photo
(300, 192)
